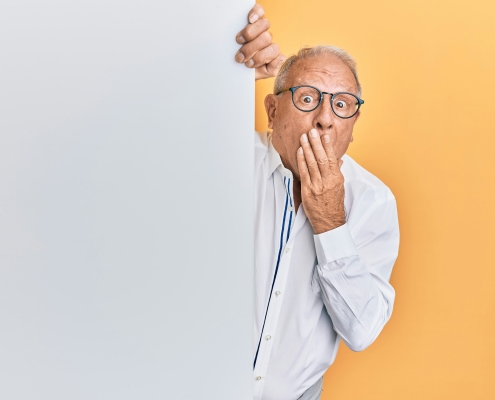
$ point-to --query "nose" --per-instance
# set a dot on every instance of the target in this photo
(324, 117)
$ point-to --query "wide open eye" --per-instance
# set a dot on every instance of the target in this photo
(307, 99)
(345, 104)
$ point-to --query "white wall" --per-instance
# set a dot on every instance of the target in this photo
(126, 133)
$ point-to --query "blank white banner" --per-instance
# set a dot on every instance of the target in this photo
(126, 249)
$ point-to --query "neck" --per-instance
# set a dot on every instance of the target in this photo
(296, 190)
(296, 185)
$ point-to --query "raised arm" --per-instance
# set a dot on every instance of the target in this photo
(354, 261)
(258, 51)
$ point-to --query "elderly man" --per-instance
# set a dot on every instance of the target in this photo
(326, 230)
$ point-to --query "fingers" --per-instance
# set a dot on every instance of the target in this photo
(255, 14)
(258, 51)
(311, 161)
(303, 167)
(247, 51)
(271, 69)
(252, 31)
(328, 146)
(319, 153)
(264, 56)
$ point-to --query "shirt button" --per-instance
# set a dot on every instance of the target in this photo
(287, 249)
(268, 337)
(258, 378)
(277, 292)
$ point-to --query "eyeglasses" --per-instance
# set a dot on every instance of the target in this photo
(308, 98)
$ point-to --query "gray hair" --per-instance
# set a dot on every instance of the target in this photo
(310, 52)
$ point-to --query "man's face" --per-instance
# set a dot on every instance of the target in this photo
(329, 74)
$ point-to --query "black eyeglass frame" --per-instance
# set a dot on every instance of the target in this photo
(332, 95)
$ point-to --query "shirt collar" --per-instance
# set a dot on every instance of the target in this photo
(274, 158)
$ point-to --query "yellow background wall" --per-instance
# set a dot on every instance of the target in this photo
(427, 130)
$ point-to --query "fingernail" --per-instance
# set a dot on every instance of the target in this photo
(250, 63)
(304, 138)
(326, 138)
(239, 57)
(254, 18)
(240, 39)
(313, 133)
(282, 61)
(300, 150)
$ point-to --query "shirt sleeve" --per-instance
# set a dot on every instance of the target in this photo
(353, 272)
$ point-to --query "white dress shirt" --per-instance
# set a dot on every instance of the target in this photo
(313, 290)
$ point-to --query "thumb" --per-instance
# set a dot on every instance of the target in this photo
(271, 69)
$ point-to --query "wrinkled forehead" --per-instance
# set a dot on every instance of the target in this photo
(326, 72)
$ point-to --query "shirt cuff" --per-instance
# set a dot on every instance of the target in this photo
(334, 245)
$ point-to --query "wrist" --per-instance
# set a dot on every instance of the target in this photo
(328, 226)
(328, 222)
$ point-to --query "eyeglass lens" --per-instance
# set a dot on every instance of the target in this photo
(307, 99)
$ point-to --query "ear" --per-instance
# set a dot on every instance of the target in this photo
(271, 103)
(357, 116)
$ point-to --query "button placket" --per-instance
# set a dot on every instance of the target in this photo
(273, 316)
(275, 306)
